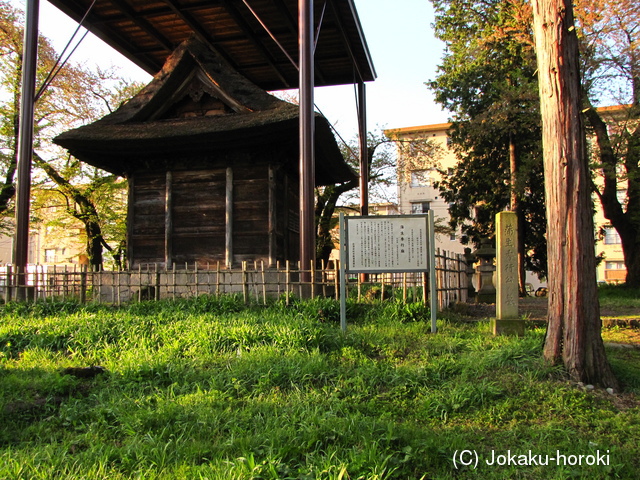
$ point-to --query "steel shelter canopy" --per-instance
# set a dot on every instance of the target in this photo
(259, 38)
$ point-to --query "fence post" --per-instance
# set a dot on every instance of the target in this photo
(174, 286)
(218, 279)
(9, 285)
(245, 293)
(287, 279)
(404, 287)
(117, 283)
(264, 283)
(197, 280)
(83, 284)
(157, 283)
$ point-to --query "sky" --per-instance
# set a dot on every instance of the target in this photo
(400, 38)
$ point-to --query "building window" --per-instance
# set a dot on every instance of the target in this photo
(420, 207)
(49, 255)
(611, 236)
(614, 266)
(614, 271)
(421, 178)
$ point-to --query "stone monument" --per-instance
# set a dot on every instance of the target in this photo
(507, 320)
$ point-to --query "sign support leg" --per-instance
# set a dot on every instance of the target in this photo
(343, 280)
(432, 272)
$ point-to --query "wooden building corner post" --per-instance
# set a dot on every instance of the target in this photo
(272, 228)
(168, 221)
(228, 236)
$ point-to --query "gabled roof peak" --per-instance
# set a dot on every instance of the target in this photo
(192, 67)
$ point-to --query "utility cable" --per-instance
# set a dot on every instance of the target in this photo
(55, 70)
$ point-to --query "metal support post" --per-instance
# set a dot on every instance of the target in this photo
(25, 143)
(364, 151)
(433, 292)
(307, 138)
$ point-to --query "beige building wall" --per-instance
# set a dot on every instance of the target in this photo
(58, 245)
(416, 186)
(611, 269)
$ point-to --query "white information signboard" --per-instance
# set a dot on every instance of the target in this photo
(394, 243)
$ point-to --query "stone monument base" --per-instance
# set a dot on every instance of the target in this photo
(509, 326)
(486, 297)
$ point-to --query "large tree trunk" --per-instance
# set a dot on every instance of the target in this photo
(573, 331)
(325, 207)
(514, 206)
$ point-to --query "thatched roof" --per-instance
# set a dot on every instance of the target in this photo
(198, 105)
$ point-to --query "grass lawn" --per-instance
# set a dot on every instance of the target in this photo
(210, 389)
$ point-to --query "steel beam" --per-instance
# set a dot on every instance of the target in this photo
(25, 142)
(364, 150)
(307, 137)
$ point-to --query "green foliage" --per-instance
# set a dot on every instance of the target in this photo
(381, 166)
(487, 78)
(211, 388)
(622, 292)
(69, 195)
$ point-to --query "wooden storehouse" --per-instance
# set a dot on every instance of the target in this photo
(212, 164)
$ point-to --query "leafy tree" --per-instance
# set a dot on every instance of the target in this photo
(75, 96)
(487, 79)
(383, 169)
(381, 178)
(486, 40)
(609, 37)
(573, 331)
(10, 73)
(98, 202)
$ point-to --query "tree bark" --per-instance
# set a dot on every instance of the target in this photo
(325, 207)
(573, 331)
(514, 206)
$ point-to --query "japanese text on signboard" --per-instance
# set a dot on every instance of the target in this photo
(386, 244)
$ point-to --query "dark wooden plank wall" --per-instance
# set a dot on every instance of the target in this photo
(146, 220)
(291, 189)
(196, 225)
(251, 213)
(198, 216)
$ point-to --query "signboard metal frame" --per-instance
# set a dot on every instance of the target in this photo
(394, 239)
(429, 252)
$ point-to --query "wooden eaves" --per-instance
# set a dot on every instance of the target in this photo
(250, 34)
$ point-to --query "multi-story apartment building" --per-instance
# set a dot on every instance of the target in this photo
(612, 268)
(50, 245)
(416, 193)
